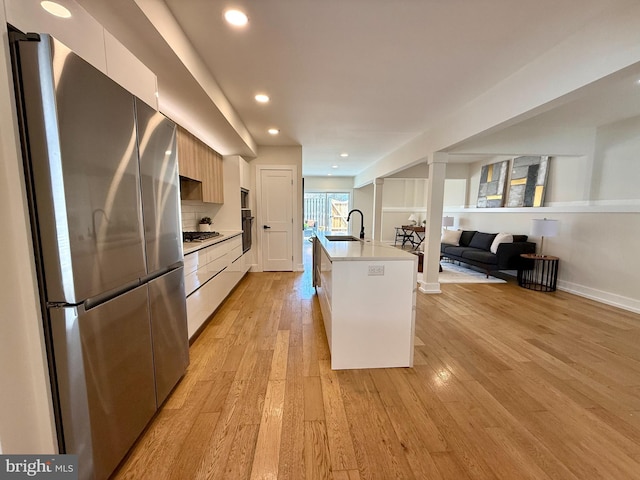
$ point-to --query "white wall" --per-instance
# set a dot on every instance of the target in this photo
(617, 161)
(26, 420)
(328, 184)
(402, 197)
(363, 201)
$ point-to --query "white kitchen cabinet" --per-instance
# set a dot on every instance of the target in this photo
(210, 275)
(129, 72)
(88, 39)
(245, 174)
(367, 294)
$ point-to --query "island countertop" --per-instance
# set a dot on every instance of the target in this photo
(366, 249)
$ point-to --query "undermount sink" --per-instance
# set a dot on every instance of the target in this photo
(341, 238)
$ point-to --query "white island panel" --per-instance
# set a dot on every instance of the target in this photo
(367, 294)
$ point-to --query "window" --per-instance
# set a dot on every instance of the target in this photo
(326, 211)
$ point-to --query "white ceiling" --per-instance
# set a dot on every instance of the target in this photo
(356, 76)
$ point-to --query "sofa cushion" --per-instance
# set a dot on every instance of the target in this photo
(500, 238)
(480, 256)
(482, 240)
(466, 237)
(452, 250)
(451, 237)
(520, 238)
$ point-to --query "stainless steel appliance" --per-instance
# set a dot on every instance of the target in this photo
(102, 183)
(189, 237)
(247, 220)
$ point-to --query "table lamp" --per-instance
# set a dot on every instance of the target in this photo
(447, 222)
(544, 228)
(413, 220)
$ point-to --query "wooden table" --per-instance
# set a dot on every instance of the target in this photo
(412, 234)
(541, 274)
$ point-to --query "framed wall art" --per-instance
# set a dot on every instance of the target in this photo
(528, 181)
(493, 184)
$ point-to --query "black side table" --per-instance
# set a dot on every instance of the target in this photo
(539, 273)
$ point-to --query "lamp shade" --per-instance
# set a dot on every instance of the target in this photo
(447, 221)
(544, 227)
(413, 218)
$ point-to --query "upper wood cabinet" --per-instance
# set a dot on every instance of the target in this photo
(188, 152)
(196, 161)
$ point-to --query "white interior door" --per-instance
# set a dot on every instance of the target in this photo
(276, 215)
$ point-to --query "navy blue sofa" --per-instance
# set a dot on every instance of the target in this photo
(474, 249)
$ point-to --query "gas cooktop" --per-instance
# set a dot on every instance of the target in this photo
(198, 236)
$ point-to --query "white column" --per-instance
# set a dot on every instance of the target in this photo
(435, 199)
(378, 185)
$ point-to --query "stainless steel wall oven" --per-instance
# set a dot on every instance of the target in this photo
(247, 221)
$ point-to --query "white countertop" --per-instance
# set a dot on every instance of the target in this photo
(366, 249)
(190, 247)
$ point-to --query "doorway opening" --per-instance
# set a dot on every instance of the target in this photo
(326, 212)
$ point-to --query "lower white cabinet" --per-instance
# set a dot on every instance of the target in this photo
(368, 309)
(210, 275)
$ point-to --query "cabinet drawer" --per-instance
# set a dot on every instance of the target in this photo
(236, 252)
(191, 262)
(191, 283)
(235, 242)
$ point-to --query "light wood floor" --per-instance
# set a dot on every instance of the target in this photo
(507, 384)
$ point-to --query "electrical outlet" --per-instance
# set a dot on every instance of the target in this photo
(375, 270)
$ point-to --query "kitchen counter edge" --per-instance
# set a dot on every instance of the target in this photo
(362, 250)
(190, 247)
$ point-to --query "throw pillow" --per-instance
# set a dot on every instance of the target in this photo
(451, 237)
(466, 237)
(500, 238)
(482, 240)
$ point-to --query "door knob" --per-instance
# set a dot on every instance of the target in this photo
(266, 226)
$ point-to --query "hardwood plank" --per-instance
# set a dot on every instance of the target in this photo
(193, 448)
(343, 456)
(267, 453)
(238, 463)
(291, 462)
(313, 406)
(317, 459)
(280, 354)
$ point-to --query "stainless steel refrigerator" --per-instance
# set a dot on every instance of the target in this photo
(102, 182)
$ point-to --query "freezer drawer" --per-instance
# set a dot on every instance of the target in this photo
(169, 331)
(103, 360)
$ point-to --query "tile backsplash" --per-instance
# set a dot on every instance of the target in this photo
(192, 212)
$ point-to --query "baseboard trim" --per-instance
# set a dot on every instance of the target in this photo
(608, 298)
(429, 287)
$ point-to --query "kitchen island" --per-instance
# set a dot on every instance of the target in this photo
(367, 294)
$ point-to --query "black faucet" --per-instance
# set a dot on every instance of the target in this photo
(361, 221)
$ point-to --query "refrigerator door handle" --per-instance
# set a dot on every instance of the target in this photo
(92, 302)
(158, 273)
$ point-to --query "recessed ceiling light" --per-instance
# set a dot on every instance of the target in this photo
(334, 166)
(273, 131)
(56, 9)
(236, 18)
(344, 155)
(328, 174)
(262, 98)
